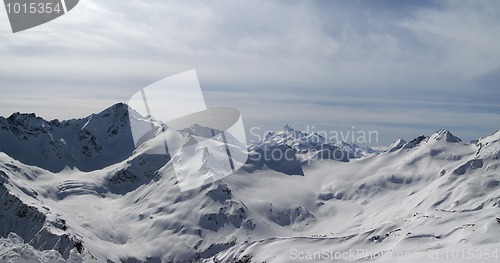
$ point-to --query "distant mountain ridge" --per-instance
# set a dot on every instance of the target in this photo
(303, 142)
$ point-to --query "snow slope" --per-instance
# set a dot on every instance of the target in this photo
(429, 197)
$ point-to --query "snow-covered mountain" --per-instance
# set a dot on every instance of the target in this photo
(303, 142)
(433, 195)
(88, 144)
(288, 150)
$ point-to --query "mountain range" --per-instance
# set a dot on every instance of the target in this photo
(81, 191)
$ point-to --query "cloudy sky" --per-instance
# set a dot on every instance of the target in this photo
(402, 68)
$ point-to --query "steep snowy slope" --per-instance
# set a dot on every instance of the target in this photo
(433, 193)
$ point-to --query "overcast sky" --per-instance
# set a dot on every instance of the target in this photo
(402, 68)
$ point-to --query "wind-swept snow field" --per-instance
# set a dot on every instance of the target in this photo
(78, 190)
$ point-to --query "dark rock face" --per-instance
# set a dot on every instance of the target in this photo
(33, 226)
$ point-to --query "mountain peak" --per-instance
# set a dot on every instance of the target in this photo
(118, 109)
(24, 121)
(445, 135)
(417, 141)
(398, 144)
(202, 131)
(19, 114)
(22, 117)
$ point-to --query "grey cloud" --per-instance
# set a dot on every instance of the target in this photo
(443, 53)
